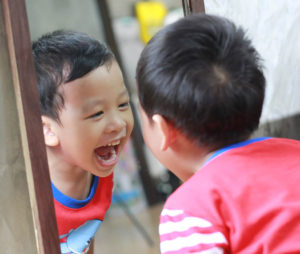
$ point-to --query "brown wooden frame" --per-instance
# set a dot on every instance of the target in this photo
(192, 6)
(25, 85)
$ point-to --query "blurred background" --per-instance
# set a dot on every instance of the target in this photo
(141, 183)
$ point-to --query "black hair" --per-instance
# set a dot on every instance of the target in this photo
(63, 56)
(203, 75)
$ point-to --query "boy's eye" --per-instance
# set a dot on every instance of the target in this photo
(96, 115)
(124, 105)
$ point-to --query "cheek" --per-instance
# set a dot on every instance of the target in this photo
(130, 122)
(81, 136)
(150, 137)
(147, 140)
(149, 134)
(145, 131)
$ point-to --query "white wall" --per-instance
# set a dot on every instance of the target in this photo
(274, 28)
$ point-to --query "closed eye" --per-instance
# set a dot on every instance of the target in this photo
(124, 105)
(96, 115)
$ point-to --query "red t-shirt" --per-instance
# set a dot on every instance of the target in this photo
(79, 220)
(246, 200)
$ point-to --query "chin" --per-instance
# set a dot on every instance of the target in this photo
(104, 173)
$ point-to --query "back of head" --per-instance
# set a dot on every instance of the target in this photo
(63, 56)
(203, 75)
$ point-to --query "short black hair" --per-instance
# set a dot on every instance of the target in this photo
(63, 56)
(203, 75)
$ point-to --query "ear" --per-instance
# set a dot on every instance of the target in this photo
(51, 138)
(167, 130)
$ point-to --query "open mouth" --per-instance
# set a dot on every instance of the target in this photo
(108, 155)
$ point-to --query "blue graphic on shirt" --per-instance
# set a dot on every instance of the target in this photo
(78, 240)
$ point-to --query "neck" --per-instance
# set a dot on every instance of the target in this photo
(72, 181)
(189, 157)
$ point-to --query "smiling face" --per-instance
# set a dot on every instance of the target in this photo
(96, 121)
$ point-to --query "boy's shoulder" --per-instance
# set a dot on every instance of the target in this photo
(237, 167)
(254, 149)
(256, 156)
(237, 176)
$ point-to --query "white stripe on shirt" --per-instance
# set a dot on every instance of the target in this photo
(192, 240)
(171, 212)
(185, 224)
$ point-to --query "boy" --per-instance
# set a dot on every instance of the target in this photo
(87, 120)
(201, 92)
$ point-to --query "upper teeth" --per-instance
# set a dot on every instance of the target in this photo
(114, 143)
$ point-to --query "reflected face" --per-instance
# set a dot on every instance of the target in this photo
(96, 120)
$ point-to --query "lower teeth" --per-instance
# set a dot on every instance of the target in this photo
(112, 156)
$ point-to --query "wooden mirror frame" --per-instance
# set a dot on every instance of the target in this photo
(34, 151)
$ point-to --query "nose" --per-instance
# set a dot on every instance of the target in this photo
(115, 123)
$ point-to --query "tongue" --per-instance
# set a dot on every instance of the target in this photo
(104, 150)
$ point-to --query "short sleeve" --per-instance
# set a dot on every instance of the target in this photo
(181, 232)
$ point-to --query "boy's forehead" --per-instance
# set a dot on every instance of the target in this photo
(94, 89)
(107, 77)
